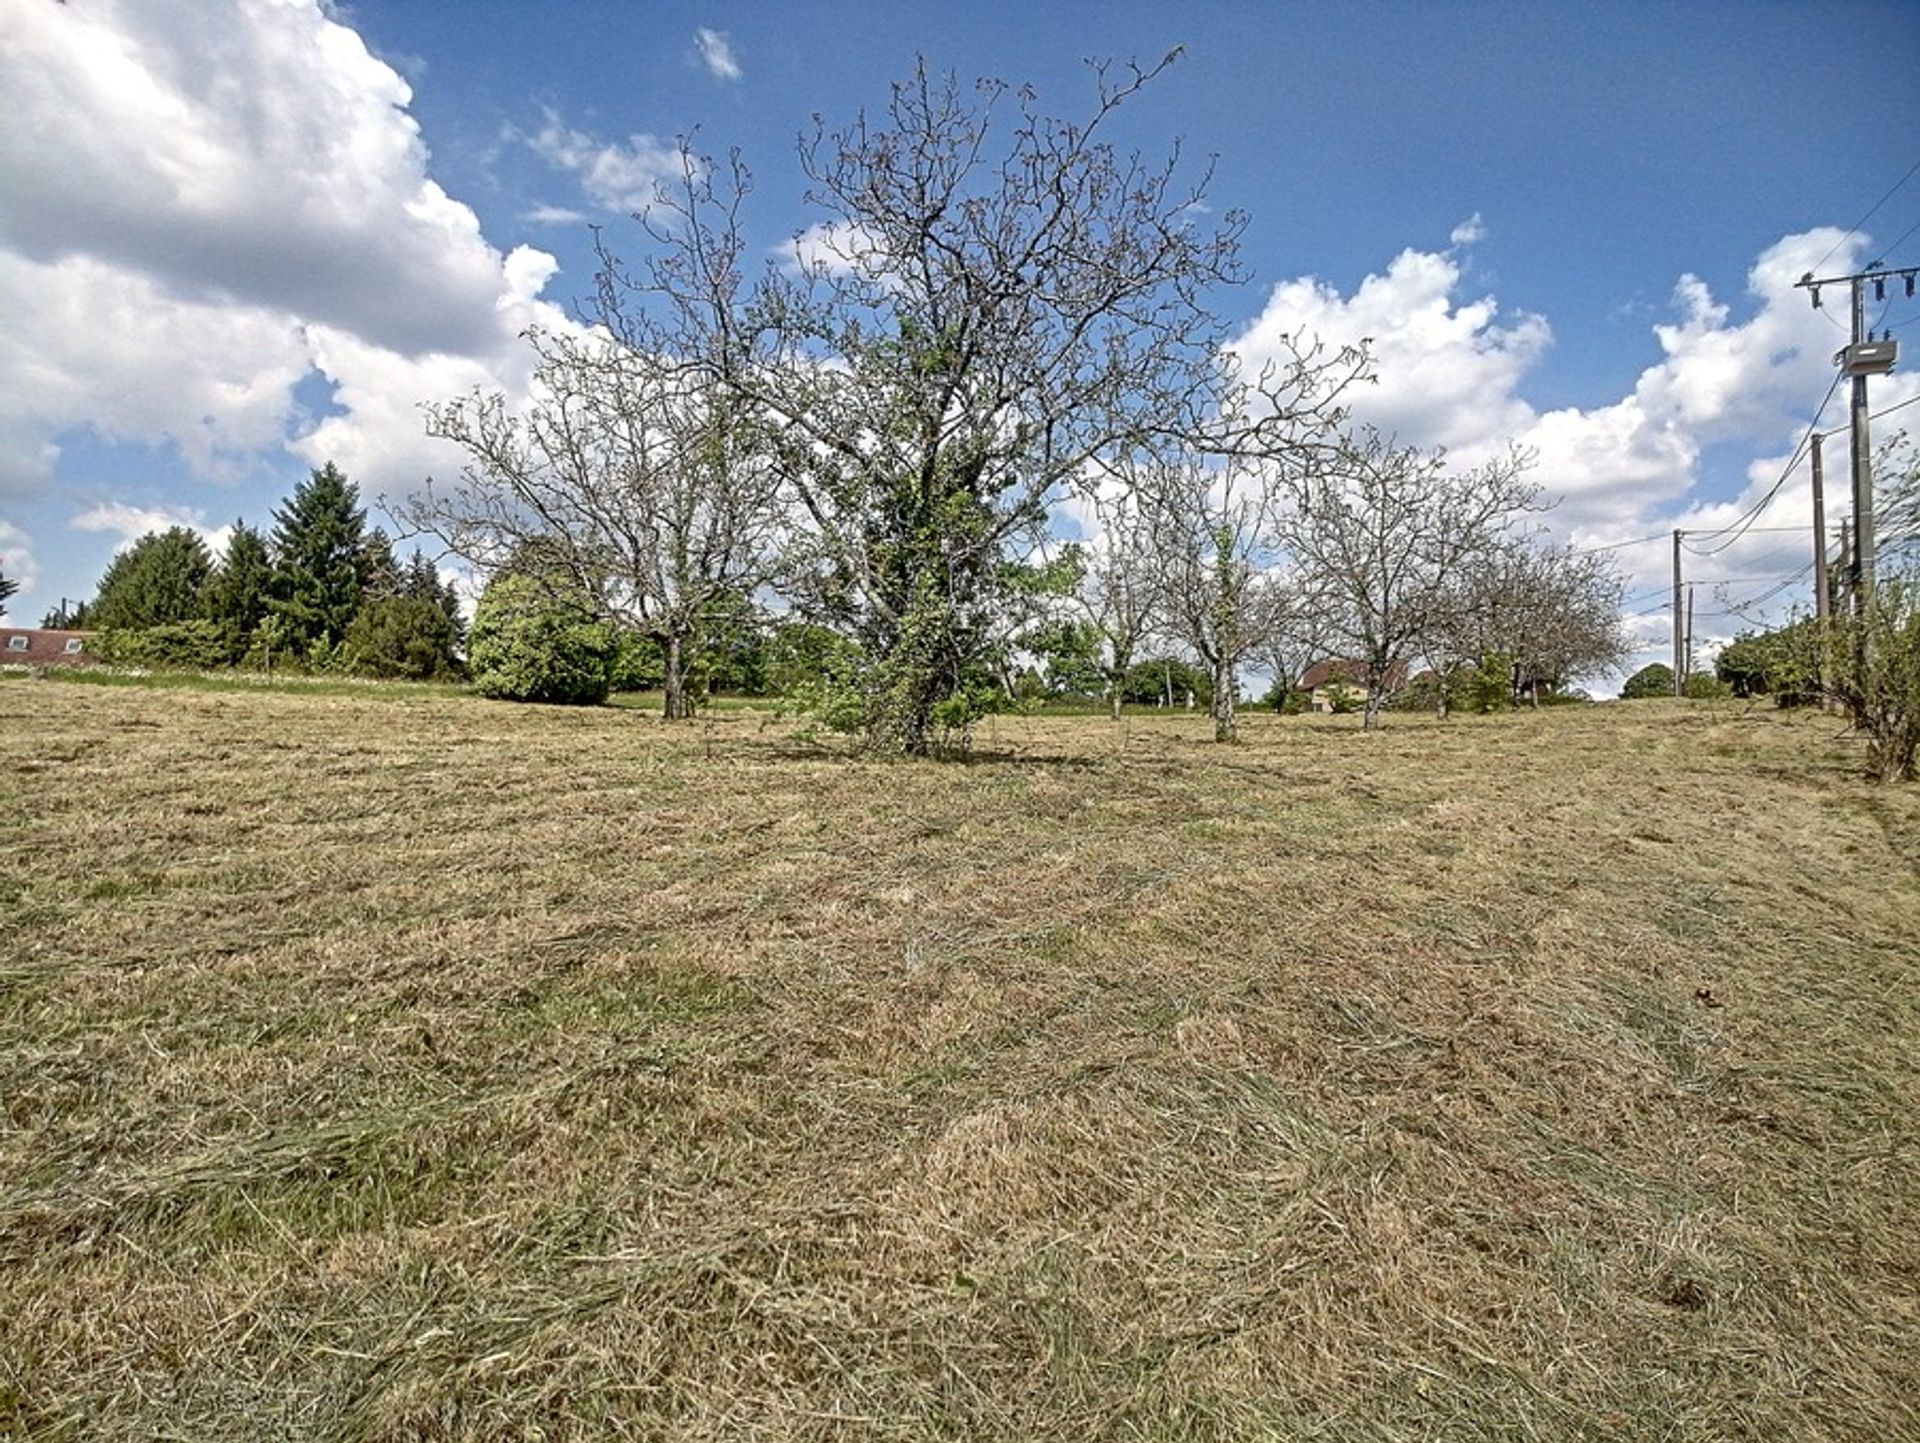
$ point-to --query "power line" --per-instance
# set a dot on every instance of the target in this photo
(1854, 229)
(1902, 241)
(1754, 511)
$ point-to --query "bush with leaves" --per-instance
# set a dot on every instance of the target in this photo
(197, 645)
(1165, 681)
(400, 638)
(528, 644)
(1653, 680)
(1869, 662)
(1704, 686)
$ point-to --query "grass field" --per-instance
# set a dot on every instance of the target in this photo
(405, 1066)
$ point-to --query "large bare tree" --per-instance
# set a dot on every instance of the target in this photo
(992, 302)
(1380, 531)
(648, 493)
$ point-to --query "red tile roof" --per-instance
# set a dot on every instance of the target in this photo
(37, 646)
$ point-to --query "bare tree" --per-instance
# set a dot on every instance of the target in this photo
(1290, 627)
(1118, 592)
(993, 301)
(644, 489)
(1551, 613)
(1380, 531)
(1211, 540)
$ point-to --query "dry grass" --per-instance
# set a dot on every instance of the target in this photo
(432, 1069)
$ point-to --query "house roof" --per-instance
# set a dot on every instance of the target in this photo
(1349, 672)
(43, 646)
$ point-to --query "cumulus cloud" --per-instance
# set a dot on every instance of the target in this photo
(827, 247)
(1470, 231)
(129, 523)
(1448, 371)
(1452, 371)
(297, 181)
(716, 53)
(617, 178)
(16, 561)
(87, 342)
(177, 257)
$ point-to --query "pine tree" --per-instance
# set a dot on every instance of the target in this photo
(379, 572)
(155, 582)
(8, 586)
(319, 559)
(237, 592)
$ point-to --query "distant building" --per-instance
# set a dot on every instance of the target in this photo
(39, 646)
(1342, 683)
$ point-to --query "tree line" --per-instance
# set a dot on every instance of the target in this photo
(320, 591)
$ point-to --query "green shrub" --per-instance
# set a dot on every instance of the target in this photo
(1649, 681)
(174, 646)
(527, 646)
(1703, 686)
(401, 638)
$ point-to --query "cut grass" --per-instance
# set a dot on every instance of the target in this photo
(459, 1070)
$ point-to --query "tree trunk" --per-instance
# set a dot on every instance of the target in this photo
(1376, 700)
(1113, 694)
(675, 683)
(1225, 725)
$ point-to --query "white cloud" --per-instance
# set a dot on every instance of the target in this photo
(716, 51)
(293, 178)
(1453, 370)
(554, 215)
(1448, 371)
(176, 255)
(828, 247)
(130, 523)
(1470, 231)
(16, 561)
(617, 178)
(88, 343)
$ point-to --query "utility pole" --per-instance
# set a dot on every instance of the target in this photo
(1846, 559)
(1822, 602)
(1862, 358)
(1679, 621)
(1820, 598)
(1689, 631)
(1862, 455)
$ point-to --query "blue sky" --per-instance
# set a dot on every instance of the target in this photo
(240, 238)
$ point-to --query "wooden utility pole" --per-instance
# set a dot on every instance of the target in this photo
(1846, 560)
(1863, 357)
(1679, 622)
(1689, 630)
(1821, 599)
(1862, 455)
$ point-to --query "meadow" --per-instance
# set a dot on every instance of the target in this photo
(390, 1064)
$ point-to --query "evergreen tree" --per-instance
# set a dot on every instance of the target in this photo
(236, 594)
(421, 579)
(379, 572)
(155, 582)
(320, 559)
(406, 638)
(8, 586)
(69, 616)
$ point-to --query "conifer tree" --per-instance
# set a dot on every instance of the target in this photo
(319, 559)
(155, 582)
(236, 593)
